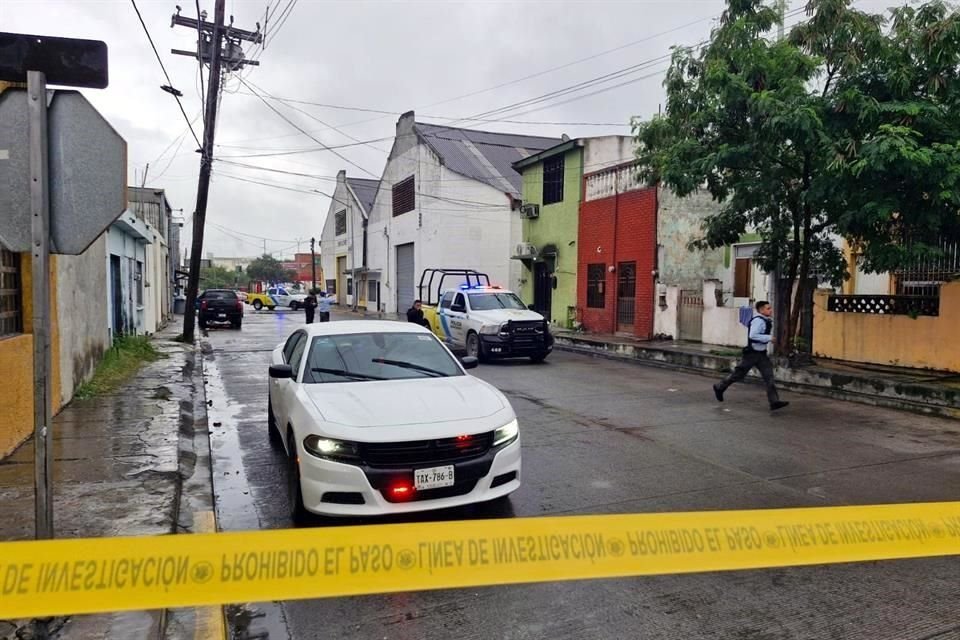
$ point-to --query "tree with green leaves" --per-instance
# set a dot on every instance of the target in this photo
(218, 278)
(847, 128)
(266, 268)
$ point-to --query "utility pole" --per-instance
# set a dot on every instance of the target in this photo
(313, 263)
(219, 46)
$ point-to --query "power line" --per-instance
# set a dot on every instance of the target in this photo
(313, 117)
(576, 62)
(435, 117)
(164, 69)
(284, 16)
(304, 131)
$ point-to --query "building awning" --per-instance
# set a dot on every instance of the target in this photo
(131, 225)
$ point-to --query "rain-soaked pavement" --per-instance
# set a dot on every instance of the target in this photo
(120, 463)
(608, 437)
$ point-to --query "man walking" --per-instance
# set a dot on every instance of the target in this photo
(323, 306)
(310, 305)
(759, 335)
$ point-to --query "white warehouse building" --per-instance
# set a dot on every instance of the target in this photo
(448, 198)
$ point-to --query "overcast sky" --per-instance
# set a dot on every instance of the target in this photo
(391, 56)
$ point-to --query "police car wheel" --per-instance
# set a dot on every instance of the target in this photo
(473, 345)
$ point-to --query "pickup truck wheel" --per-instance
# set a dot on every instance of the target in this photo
(294, 306)
(257, 305)
(473, 345)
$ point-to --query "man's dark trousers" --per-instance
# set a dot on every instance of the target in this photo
(751, 359)
(309, 313)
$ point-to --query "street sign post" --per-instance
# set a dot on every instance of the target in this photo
(38, 60)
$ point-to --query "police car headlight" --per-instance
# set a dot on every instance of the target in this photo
(506, 434)
(490, 329)
(330, 449)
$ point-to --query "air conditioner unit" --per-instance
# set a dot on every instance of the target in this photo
(525, 250)
(530, 211)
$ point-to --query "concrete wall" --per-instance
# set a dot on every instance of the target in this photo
(81, 317)
(721, 324)
(925, 342)
(557, 225)
(603, 152)
(679, 221)
(666, 317)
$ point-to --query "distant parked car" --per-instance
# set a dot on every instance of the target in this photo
(220, 306)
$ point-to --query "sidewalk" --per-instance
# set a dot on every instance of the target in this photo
(130, 463)
(916, 390)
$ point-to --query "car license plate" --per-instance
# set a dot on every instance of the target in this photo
(433, 478)
(221, 315)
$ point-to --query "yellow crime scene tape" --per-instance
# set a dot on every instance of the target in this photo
(64, 577)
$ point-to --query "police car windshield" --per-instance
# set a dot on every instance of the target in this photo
(491, 301)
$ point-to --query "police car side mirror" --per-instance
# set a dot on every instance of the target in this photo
(469, 362)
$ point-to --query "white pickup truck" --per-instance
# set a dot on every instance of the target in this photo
(483, 320)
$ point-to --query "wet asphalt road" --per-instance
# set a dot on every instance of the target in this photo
(608, 437)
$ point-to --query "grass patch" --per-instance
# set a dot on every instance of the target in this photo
(119, 364)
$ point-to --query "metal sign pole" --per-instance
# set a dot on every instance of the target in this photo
(40, 251)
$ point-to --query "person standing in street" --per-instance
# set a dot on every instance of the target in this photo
(759, 336)
(310, 305)
(323, 306)
(415, 315)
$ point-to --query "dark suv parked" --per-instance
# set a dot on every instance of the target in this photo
(220, 305)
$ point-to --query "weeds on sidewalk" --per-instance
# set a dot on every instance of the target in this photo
(119, 363)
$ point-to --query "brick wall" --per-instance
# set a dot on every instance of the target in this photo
(614, 230)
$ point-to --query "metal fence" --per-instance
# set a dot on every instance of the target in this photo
(923, 277)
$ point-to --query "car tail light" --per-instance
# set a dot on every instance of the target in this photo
(203, 305)
(239, 306)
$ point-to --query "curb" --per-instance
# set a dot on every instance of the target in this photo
(913, 397)
(196, 505)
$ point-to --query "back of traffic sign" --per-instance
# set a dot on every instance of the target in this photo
(66, 61)
(88, 170)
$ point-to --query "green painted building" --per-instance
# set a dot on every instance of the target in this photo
(552, 183)
(552, 194)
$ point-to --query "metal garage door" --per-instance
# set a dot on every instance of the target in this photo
(405, 277)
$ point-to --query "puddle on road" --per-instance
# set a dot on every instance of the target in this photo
(234, 504)
(234, 501)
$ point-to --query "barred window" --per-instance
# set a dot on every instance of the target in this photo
(340, 222)
(553, 174)
(11, 313)
(596, 277)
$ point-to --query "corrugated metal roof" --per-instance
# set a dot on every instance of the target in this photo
(366, 191)
(458, 149)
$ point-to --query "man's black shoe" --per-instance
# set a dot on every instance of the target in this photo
(779, 404)
(717, 391)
